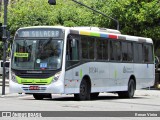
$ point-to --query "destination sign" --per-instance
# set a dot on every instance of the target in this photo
(40, 33)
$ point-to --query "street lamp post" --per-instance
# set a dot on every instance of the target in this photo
(4, 38)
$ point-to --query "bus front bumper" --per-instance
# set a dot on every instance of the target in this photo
(55, 88)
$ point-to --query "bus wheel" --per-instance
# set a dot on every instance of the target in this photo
(40, 96)
(84, 93)
(130, 92)
(94, 95)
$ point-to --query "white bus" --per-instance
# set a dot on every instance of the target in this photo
(83, 61)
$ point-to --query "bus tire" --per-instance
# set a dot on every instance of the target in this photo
(94, 95)
(130, 92)
(40, 96)
(84, 93)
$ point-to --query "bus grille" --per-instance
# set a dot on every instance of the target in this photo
(34, 75)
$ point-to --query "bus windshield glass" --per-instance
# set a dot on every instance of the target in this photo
(37, 54)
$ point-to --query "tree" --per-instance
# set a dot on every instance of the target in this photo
(39, 12)
(137, 17)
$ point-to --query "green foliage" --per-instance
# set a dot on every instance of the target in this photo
(136, 17)
(30, 13)
(39, 12)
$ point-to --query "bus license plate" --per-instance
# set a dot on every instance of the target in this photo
(34, 88)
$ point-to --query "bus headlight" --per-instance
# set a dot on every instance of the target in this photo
(13, 77)
(56, 77)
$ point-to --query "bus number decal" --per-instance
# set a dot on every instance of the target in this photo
(127, 70)
(93, 70)
(43, 65)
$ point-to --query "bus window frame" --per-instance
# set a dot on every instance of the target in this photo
(148, 62)
(115, 40)
(77, 38)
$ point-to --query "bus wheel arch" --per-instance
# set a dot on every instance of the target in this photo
(130, 90)
(84, 89)
(88, 80)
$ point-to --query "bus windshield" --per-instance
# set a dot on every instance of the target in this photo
(37, 54)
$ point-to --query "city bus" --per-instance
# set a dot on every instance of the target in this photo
(83, 61)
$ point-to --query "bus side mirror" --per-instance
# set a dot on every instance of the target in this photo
(156, 60)
(73, 43)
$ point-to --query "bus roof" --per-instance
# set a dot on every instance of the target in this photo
(97, 32)
(107, 33)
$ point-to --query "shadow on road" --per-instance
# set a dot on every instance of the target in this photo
(71, 98)
(96, 99)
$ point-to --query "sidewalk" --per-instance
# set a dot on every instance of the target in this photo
(147, 92)
(143, 92)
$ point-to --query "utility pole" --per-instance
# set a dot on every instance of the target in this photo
(4, 39)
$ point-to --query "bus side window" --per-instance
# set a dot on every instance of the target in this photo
(75, 49)
(124, 51)
(138, 53)
(102, 49)
(127, 52)
(115, 50)
(72, 52)
(148, 55)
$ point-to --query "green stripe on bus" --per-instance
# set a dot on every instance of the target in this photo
(81, 74)
(34, 81)
(115, 74)
(95, 34)
(21, 55)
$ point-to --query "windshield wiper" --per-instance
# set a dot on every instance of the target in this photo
(46, 42)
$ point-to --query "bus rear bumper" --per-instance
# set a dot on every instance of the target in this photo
(55, 88)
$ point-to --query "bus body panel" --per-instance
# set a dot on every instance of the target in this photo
(144, 75)
(115, 78)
